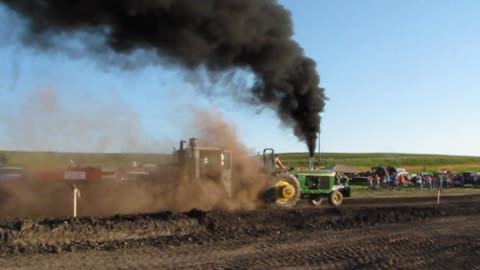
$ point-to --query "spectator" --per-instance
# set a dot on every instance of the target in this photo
(370, 182)
(418, 181)
(377, 181)
(446, 180)
(439, 181)
(428, 182)
(395, 181)
(401, 180)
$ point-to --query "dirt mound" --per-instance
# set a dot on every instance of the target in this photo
(27, 236)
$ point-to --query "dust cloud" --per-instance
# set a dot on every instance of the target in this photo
(163, 190)
(168, 191)
(47, 121)
(247, 180)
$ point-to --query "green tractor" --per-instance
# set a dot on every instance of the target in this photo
(288, 187)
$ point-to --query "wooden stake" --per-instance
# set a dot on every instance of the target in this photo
(438, 196)
(76, 193)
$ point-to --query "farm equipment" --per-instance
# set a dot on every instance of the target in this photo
(204, 162)
(285, 188)
(85, 173)
(288, 187)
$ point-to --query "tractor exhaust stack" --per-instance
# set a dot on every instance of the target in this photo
(312, 163)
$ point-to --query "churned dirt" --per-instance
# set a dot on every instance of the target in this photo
(406, 233)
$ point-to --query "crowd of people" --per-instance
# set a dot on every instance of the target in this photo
(430, 181)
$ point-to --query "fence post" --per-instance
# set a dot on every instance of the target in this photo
(76, 196)
(438, 196)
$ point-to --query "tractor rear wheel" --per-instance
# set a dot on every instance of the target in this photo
(286, 190)
(335, 198)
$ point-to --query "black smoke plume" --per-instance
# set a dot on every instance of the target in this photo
(219, 34)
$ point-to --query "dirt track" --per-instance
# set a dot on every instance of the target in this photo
(418, 245)
(361, 234)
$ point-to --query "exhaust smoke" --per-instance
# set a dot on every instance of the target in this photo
(221, 35)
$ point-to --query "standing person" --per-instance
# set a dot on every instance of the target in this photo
(439, 181)
(428, 182)
(395, 181)
(446, 180)
(377, 181)
(418, 180)
(370, 182)
(401, 180)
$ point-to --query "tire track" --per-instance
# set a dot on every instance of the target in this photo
(444, 237)
(405, 250)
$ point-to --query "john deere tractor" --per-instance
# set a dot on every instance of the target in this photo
(288, 187)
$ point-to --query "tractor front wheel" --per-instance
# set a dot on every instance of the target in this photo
(335, 198)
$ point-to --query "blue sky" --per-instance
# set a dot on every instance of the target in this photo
(401, 76)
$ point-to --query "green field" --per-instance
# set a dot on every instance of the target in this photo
(412, 162)
(46, 160)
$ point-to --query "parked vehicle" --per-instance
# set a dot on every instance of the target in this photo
(402, 171)
(11, 173)
(466, 178)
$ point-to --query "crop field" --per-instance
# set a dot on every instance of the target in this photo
(411, 162)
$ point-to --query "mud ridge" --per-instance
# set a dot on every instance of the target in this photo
(54, 235)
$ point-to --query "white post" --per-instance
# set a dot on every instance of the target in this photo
(438, 196)
(76, 193)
